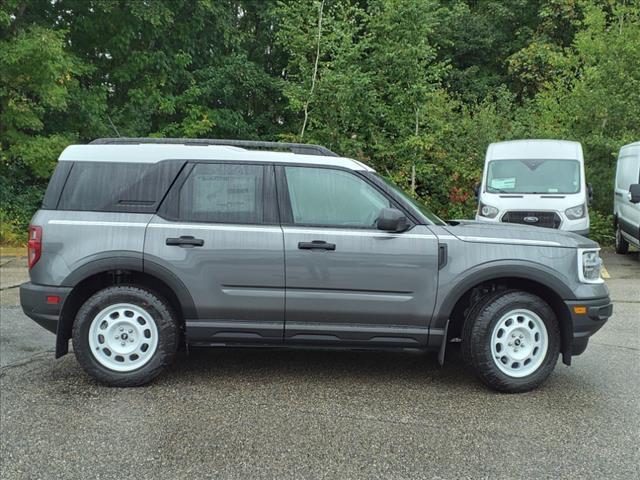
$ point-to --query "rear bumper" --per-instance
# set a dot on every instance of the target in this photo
(597, 311)
(33, 299)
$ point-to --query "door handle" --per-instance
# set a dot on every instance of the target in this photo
(185, 241)
(316, 245)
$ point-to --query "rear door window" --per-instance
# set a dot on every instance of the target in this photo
(227, 193)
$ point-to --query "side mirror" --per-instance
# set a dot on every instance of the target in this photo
(392, 220)
(634, 193)
(589, 193)
(476, 190)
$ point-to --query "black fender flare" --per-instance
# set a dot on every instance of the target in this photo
(521, 270)
(120, 260)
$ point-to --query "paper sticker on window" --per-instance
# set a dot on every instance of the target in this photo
(224, 193)
(503, 183)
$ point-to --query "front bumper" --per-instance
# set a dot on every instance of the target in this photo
(596, 313)
(33, 299)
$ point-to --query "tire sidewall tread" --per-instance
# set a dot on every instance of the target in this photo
(160, 311)
(476, 341)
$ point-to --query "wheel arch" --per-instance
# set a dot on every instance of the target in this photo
(108, 271)
(452, 311)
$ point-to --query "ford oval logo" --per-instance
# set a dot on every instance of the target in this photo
(531, 219)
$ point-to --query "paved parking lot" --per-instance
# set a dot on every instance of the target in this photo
(320, 414)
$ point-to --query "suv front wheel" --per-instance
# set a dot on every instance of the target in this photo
(125, 336)
(511, 340)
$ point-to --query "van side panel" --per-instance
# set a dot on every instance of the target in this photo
(72, 239)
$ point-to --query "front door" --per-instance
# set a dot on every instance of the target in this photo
(218, 232)
(346, 281)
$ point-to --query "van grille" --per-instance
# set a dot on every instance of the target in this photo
(537, 219)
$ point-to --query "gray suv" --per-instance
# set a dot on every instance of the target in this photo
(144, 245)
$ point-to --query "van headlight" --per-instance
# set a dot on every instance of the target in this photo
(574, 213)
(487, 211)
(589, 265)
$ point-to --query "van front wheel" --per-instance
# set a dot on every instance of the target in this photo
(125, 336)
(622, 246)
(511, 340)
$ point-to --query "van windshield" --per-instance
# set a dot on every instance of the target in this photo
(533, 176)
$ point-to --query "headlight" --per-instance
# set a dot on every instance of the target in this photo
(589, 265)
(488, 211)
(576, 212)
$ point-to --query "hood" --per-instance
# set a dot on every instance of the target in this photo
(509, 233)
(554, 202)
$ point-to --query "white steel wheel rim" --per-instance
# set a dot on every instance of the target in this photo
(123, 337)
(519, 343)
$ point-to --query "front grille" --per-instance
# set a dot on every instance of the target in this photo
(537, 219)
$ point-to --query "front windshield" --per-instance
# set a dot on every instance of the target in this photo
(533, 176)
(421, 207)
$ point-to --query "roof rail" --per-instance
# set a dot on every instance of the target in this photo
(299, 148)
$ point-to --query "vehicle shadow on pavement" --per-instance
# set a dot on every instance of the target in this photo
(317, 366)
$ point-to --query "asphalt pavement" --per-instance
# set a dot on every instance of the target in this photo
(320, 414)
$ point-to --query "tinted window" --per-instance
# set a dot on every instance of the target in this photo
(117, 187)
(54, 189)
(322, 196)
(223, 193)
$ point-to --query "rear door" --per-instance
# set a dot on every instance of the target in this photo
(218, 232)
(347, 281)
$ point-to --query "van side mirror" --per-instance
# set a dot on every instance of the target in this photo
(634, 193)
(589, 193)
(476, 190)
(392, 220)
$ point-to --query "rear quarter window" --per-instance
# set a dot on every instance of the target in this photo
(117, 186)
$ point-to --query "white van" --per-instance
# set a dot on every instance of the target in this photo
(535, 182)
(626, 200)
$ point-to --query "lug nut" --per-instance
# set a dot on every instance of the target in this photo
(117, 337)
(131, 340)
(130, 330)
(122, 329)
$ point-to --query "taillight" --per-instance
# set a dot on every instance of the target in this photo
(34, 246)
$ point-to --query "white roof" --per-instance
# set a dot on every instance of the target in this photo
(152, 153)
(631, 149)
(535, 149)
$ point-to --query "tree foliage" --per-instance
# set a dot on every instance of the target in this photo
(405, 85)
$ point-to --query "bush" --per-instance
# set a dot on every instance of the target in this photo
(11, 232)
(601, 228)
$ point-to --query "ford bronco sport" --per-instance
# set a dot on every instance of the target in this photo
(142, 245)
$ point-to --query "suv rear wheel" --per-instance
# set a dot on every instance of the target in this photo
(511, 340)
(125, 336)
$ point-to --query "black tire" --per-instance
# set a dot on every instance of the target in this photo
(151, 303)
(476, 339)
(622, 246)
